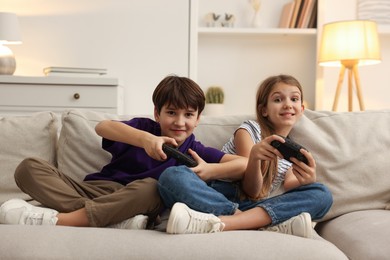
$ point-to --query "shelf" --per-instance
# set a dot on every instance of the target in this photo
(255, 31)
(65, 80)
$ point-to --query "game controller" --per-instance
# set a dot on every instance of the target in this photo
(179, 156)
(290, 149)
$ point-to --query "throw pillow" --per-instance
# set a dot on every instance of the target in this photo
(21, 137)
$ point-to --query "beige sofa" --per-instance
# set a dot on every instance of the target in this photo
(352, 159)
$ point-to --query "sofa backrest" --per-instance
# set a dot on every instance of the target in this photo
(79, 147)
(351, 149)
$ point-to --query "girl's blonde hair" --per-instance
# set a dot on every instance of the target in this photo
(269, 168)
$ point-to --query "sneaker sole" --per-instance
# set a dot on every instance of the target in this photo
(21, 203)
(140, 222)
(173, 217)
(14, 201)
(308, 230)
(9, 205)
(137, 222)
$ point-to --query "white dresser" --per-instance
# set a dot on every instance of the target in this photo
(24, 95)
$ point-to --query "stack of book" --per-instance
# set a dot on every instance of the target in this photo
(299, 14)
(73, 72)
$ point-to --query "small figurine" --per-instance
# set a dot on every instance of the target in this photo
(229, 20)
(211, 19)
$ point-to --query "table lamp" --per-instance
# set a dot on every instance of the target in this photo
(349, 44)
(9, 34)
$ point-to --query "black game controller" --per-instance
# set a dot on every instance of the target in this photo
(290, 149)
(179, 156)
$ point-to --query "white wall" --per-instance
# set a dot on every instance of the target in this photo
(138, 41)
(141, 41)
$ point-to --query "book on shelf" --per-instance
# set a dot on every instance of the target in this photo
(313, 17)
(295, 14)
(74, 74)
(286, 15)
(73, 71)
(306, 13)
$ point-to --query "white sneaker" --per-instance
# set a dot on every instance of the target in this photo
(18, 211)
(137, 222)
(184, 220)
(300, 225)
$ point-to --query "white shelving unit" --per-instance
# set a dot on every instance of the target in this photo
(238, 58)
(255, 31)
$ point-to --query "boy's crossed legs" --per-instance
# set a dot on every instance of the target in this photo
(93, 203)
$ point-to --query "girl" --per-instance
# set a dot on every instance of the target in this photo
(273, 194)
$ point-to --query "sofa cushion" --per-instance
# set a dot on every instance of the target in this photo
(215, 131)
(79, 147)
(352, 156)
(21, 137)
(360, 235)
(104, 243)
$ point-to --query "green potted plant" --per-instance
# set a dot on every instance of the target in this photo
(214, 101)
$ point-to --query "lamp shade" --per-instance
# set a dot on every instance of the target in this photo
(9, 29)
(345, 41)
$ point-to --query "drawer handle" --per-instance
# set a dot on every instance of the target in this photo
(76, 95)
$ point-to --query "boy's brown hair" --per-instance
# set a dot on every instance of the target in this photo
(179, 92)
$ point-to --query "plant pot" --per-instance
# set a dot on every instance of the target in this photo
(214, 109)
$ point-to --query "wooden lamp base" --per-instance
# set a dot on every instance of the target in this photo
(352, 67)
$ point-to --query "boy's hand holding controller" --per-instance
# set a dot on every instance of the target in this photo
(179, 156)
(153, 146)
(204, 170)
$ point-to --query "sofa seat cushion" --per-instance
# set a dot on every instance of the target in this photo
(361, 235)
(45, 242)
(21, 137)
(352, 156)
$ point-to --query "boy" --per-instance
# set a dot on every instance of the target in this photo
(124, 193)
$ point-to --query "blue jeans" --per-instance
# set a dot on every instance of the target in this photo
(180, 184)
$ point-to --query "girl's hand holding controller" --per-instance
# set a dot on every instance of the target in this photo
(289, 149)
(264, 151)
(304, 172)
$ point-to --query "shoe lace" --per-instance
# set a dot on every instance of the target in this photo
(33, 218)
(281, 228)
(40, 218)
(205, 224)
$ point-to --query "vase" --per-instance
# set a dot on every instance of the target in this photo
(214, 109)
(256, 20)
